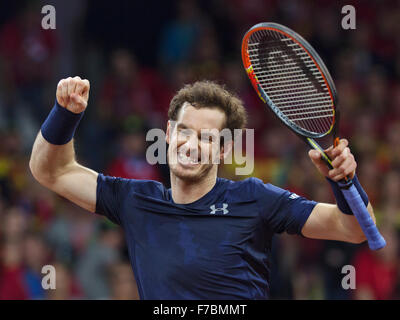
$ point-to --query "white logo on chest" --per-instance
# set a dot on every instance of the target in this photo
(223, 209)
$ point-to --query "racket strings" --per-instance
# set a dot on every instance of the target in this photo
(291, 79)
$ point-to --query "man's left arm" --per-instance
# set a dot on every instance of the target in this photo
(329, 221)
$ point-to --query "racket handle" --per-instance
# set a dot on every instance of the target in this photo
(357, 206)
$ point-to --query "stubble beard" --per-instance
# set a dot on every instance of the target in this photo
(186, 175)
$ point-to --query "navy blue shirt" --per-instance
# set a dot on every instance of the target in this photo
(217, 247)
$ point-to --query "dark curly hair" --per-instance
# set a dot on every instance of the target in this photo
(211, 95)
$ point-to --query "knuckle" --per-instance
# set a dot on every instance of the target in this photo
(338, 151)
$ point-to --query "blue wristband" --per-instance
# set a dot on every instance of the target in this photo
(60, 125)
(340, 199)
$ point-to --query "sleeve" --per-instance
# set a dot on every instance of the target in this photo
(281, 209)
(109, 195)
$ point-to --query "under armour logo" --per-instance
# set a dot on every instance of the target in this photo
(223, 209)
(293, 196)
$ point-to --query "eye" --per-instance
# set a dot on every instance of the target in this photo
(184, 132)
(207, 139)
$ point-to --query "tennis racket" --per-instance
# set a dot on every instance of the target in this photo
(290, 77)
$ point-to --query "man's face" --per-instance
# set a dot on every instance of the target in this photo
(194, 141)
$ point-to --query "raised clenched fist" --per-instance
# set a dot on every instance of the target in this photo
(73, 94)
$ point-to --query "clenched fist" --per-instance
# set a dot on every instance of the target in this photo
(73, 94)
(343, 161)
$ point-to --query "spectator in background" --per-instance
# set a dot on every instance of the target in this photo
(180, 35)
(123, 92)
(377, 271)
(12, 281)
(308, 284)
(29, 53)
(36, 255)
(67, 287)
(390, 150)
(69, 232)
(131, 89)
(95, 262)
(123, 284)
(130, 161)
(206, 57)
(390, 200)
(128, 90)
(10, 153)
(14, 225)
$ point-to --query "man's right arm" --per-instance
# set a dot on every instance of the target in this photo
(54, 165)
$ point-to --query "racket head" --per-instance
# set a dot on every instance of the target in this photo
(291, 78)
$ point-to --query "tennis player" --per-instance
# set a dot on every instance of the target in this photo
(205, 237)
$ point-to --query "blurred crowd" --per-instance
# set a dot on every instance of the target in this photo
(136, 57)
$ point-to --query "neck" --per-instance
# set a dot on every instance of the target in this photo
(184, 191)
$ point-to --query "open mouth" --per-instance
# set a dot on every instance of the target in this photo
(188, 161)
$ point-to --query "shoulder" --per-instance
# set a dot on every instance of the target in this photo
(254, 188)
(122, 185)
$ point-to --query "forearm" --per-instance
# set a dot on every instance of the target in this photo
(347, 221)
(49, 161)
(351, 226)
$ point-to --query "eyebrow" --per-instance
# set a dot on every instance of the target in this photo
(210, 132)
(180, 125)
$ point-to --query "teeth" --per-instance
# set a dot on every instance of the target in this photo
(185, 159)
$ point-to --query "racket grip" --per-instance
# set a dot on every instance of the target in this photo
(357, 206)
